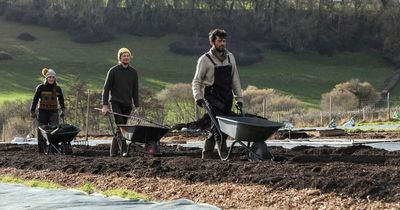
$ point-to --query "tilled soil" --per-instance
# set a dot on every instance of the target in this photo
(358, 174)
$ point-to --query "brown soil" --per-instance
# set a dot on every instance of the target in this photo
(303, 177)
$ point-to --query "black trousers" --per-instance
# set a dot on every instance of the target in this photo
(121, 109)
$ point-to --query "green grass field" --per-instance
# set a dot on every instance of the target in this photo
(306, 76)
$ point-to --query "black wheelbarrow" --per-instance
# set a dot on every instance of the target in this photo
(59, 138)
(254, 130)
(143, 137)
(143, 134)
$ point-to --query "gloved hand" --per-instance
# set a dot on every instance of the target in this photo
(105, 109)
(200, 103)
(33, 114)
(62, 114)
(239, 105)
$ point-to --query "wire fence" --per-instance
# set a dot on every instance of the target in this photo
(81, 112)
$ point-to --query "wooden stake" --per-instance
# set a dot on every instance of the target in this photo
(87, 116)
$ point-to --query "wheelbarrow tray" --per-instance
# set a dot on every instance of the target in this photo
(142, 133)
(248, 128)
(66, 133)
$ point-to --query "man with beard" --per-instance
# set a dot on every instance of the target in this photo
(121, 89)
(217, 81)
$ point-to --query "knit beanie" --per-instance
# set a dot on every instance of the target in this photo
(122, 51)
(48, 72)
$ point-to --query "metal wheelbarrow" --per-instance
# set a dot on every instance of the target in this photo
(251, 129)
(144, 138)
(59, 138)
(148, 135)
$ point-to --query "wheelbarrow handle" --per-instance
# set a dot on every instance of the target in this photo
(213, 120)
(134, 117)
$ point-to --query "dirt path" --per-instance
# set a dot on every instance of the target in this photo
(303, 177)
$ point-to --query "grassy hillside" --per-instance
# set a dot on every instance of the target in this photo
(306, 76)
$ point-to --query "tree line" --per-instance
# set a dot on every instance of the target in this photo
(324, 26)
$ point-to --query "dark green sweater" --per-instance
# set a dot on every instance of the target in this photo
(121, 86)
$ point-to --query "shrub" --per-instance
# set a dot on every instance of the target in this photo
(5, 56)
(30, 17)
(99, 34)
(245, 53)
(365, 94)
(58, 21)
(13, 112)
(342, 100)
(146, 29)
(274, 102)
(151, 107)
(18, 126)
(246, 59)
(26, 37)
(14, 14)
(181, 48)
(178, 101)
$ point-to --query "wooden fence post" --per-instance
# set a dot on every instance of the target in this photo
(264, 108)
(76, 107)
(330, 108)
(87, 116)
(321, 119)
(4, 133)
(363, 113)
(388, 105)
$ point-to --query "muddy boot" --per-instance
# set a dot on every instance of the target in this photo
(114, 147)
(208, 149)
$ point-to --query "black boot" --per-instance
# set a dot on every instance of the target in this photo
(114, 147)
(208, 149)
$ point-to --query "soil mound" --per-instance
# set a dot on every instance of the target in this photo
(358, 171)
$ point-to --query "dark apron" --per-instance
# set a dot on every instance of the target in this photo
(219, 95)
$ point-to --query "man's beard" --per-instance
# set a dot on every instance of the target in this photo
(220, 49)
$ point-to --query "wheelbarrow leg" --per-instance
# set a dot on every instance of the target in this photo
(41, 142)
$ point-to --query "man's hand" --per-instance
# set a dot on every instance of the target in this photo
(239, 105)
(105, 109)
(62, 114)
(33, 114)
(200, 103)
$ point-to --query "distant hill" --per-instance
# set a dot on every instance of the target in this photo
(306, 75)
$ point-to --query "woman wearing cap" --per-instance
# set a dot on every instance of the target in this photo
(47, 94)
(121, 89)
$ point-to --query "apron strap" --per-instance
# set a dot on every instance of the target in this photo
(209, 57)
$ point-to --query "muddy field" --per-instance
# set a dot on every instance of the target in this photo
(362, 173)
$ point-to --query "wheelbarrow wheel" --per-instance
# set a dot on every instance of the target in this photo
(152, 148)
(260, 149)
